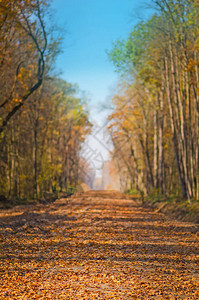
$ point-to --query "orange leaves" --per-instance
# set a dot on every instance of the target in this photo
(97, 245)
(16, 100)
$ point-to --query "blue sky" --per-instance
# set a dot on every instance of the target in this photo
(91, 27)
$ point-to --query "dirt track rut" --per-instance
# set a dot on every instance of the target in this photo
(96, 245)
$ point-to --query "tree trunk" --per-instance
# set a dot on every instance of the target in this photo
(161, 173)
(175, 137)
(156, 181)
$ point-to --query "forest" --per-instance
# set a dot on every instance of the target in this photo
(42, 120)
(155, 122)
(58, 241)
(154, 125)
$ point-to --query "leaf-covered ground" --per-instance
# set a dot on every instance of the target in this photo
(96, 245)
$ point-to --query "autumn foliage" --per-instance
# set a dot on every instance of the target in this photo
(155, 123)
(96, 245)
(42, 120)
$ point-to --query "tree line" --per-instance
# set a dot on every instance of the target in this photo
(42, 120)
(155, 122)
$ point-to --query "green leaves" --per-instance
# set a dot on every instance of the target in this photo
(159, 61)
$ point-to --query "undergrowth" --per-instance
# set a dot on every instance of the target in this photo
(174, 206)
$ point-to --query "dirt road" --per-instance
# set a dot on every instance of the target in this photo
(96, 245)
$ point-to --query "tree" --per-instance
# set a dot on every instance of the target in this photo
(160, 58)
(24, 47)
(41, 152)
